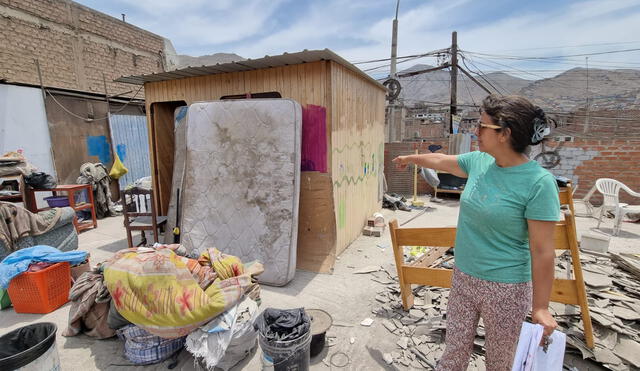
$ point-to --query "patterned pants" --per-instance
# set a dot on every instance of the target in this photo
(502, 306)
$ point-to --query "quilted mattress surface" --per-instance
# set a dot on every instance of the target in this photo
(241, 182)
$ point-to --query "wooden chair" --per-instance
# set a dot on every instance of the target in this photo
(140, 214)
(566, 291)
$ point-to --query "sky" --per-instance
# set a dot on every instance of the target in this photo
(531, 39)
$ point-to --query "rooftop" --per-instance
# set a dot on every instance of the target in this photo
(286, 59)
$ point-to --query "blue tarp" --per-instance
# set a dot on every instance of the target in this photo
(19, 261)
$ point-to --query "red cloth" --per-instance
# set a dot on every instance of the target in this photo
(38, 266)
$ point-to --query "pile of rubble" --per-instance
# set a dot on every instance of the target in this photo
(613, 290)
(613, 294)
(420, 331)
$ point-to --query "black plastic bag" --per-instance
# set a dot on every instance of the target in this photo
(282, 324)
(40, 180)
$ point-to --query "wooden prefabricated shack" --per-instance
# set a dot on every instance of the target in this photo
(342, 107)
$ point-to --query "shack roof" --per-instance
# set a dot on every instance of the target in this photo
(286, 59)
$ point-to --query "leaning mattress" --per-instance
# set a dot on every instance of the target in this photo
(241, 182)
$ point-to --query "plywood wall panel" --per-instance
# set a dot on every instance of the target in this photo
(357, 146)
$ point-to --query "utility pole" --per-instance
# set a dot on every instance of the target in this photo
(394, 43)
(393, 74)
(453, 109)
(586, 119)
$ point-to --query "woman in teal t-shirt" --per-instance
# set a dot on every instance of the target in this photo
(504, 250)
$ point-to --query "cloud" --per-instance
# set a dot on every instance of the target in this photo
(202, 23)
(423, 29)
(361, 29)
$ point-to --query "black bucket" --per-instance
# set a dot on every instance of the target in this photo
(286, 355)
(32, 346)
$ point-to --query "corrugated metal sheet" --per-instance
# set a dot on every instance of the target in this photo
(131, 143)
(286, 59)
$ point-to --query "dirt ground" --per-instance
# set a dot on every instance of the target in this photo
(348, 297)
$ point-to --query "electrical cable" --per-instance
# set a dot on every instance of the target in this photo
(573, 46)
(464, 80)
(89, 119)
(556, 56)
(529, 73)
(433, 52)
(479, 75)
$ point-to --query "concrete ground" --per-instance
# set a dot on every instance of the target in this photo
(348, 297)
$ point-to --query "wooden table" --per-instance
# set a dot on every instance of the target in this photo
(70, 190)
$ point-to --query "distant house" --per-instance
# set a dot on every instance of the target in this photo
(57, 66)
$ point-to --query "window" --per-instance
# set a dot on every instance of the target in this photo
(271, 94)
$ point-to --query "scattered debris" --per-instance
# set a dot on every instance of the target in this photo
(342, 324)
(394, 202)
(368, 269)
(367, 322)
(339, 359)
(372, 231)
(613, 290)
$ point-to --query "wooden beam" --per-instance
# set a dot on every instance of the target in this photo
(437, 277)
(441, 67)
(444, 237)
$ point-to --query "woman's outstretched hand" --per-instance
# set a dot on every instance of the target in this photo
(400, 162)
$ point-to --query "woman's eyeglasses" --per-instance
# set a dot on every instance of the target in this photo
(480, 124)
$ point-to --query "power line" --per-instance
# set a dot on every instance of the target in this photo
(575, 46)
(468, 90)
(96, 119)
(464, 61)
(388, 65)
(627, 65)
(427, 54)
(533, 74)
(557, 56)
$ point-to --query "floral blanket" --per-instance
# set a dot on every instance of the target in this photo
(169, 295)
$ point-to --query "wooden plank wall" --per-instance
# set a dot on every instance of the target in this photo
(69, 135)
(307, 84)
(162, 150)
(357, 148)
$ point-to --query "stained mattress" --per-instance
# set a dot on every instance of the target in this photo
(241, 182)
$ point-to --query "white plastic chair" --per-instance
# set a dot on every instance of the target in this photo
(589, 209)
(610, 189)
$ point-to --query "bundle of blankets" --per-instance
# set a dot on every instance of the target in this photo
(152, 297)
(98, 177)
(20, 228)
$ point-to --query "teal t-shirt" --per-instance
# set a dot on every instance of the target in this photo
(492, 239)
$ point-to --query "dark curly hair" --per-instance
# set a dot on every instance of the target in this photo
(525, 120)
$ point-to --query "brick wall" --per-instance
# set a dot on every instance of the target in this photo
(583, 161)
(612, 123)
(74, 45)
(424, 129)
(401, 181)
